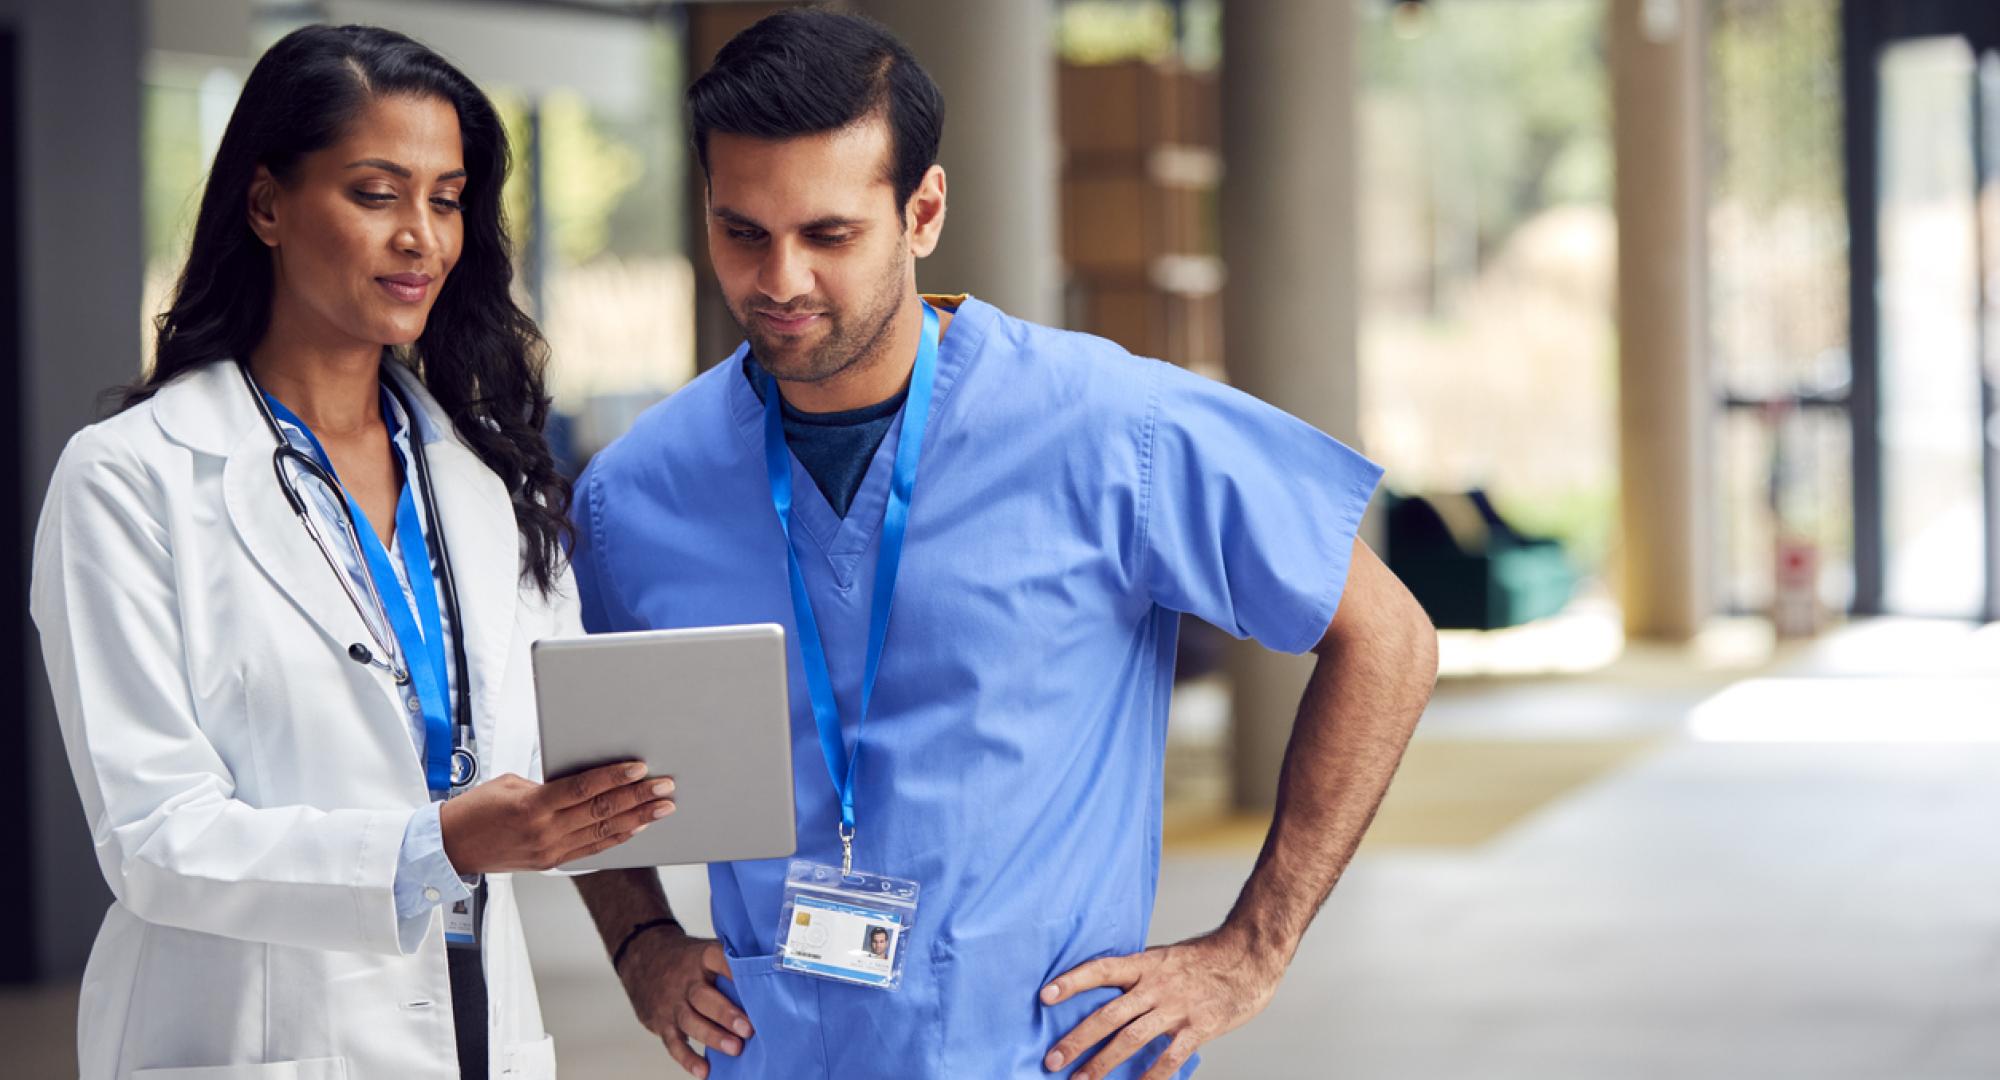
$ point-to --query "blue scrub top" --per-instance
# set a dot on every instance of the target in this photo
(1072, 501)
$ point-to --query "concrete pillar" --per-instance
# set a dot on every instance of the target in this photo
(709, 27)
(1289, 228)
(1663, 406)
(74, 277)
(996, 64)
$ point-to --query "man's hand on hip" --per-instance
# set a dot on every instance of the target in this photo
(671, 981)
(1192, 991)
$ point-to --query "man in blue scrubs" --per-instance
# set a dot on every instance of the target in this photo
(994, 528)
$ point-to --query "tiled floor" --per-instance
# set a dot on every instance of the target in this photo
(1715, 904)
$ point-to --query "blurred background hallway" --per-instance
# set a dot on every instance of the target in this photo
(1676, 324)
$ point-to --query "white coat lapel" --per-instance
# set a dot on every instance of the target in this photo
(209, 409)
(282, 547)
(477, 518)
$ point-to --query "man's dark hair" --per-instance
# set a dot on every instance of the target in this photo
(808, 71)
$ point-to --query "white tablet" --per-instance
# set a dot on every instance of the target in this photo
(706, 706)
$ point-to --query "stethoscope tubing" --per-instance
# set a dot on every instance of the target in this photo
(465, 759)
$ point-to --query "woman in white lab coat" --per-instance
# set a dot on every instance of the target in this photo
(286, 597)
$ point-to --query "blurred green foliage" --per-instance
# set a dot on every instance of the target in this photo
(173, 167)
(1513, 99)
(1105, 31)
(1775, 73)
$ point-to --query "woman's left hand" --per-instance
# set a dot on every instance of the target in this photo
(509, 823)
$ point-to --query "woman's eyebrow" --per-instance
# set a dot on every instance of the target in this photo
(382, 164)
(400, 170)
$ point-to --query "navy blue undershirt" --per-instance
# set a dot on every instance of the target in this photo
(834, 447)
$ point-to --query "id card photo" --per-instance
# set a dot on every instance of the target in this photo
(842, 940)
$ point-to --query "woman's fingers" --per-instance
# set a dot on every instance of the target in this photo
(613, 802)
(579, 789)
(512, 824)
(603, 835)
(584, 852)
(618, 829)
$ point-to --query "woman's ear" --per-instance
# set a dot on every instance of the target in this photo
(263, 206)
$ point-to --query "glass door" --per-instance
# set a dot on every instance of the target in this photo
(1987, 118)
(1936, 212)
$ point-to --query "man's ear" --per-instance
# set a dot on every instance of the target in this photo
(262, 206)
(925, 212)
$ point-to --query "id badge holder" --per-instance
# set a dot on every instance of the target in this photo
(462, 918)
(851, 927)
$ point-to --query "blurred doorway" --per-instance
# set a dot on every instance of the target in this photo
(1924, 184)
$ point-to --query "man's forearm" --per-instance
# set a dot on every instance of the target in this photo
(1359, 710)
(620, 900)
(668, 975)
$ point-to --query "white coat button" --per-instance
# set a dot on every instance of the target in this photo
(415, 705)
(432, 894)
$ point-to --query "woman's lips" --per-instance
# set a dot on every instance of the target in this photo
(788, 323)
(408, 288)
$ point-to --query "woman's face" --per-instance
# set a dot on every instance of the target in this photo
(364, 231)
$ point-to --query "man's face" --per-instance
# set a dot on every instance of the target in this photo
(878, 943)
(809, 245)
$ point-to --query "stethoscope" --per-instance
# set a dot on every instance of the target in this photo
(464, 756)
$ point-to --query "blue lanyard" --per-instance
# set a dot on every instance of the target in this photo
(425, 627)
(841, 765)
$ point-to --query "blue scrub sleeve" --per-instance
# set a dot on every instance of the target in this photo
(593, 587)
(1249, 514)
(424, 876)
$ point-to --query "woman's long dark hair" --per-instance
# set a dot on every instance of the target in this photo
(479, 355)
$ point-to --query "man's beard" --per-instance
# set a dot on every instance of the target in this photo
(846, 341)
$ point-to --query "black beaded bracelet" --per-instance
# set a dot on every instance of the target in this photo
(618, 955)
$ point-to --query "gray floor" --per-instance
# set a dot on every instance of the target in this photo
(1721, 908)
(1803, 880)
(1718, 911)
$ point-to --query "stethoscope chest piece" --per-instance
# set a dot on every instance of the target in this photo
(464, 767)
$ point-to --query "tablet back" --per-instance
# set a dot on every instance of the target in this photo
(705, 706)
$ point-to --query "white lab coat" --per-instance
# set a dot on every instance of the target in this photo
(247, 783)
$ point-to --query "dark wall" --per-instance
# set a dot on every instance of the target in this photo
(1896, 19)
(17, 903)
(71, 252)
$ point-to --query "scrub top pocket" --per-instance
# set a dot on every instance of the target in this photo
(784, 1020)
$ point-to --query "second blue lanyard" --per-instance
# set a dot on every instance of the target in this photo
(427, 662)
(842, 765)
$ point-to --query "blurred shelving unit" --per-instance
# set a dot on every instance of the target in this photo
(1140, 189)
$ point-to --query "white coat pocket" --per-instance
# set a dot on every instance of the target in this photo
(530, 1061)
(315, 1069)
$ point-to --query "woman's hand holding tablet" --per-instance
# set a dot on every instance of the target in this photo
(510, 823)
(711, 700)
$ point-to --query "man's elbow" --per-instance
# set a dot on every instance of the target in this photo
(1380, 619)
(1403, 631)
(1424, 646)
